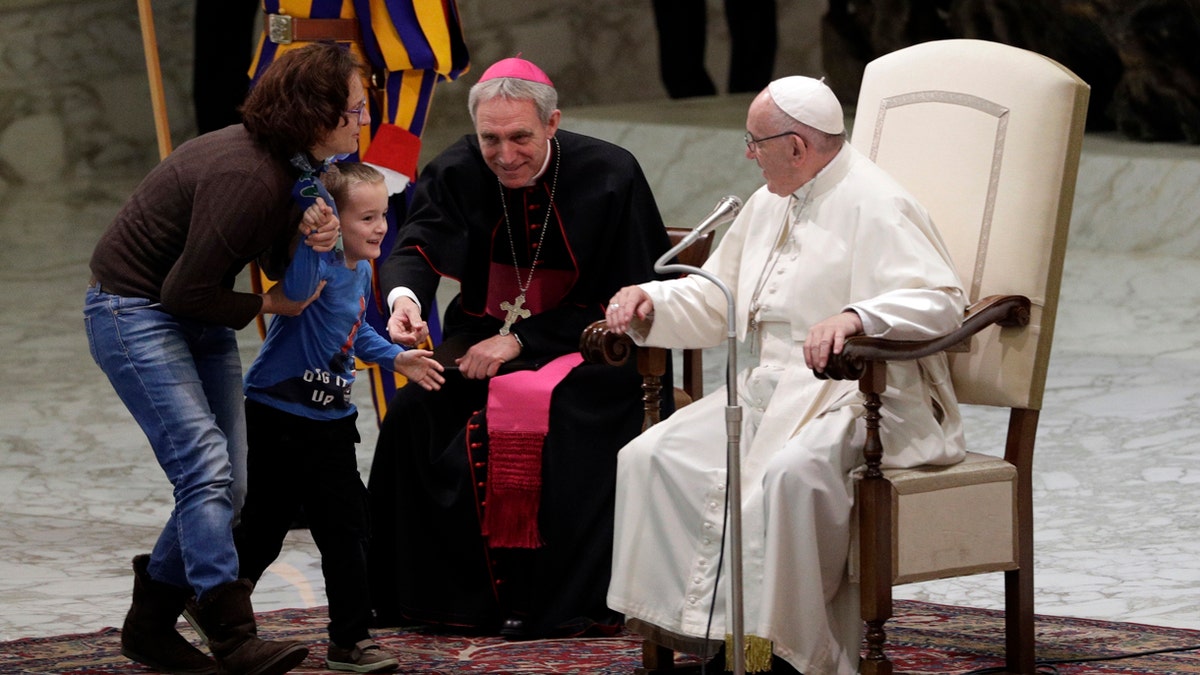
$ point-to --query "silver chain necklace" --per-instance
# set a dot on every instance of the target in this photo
(515, 310)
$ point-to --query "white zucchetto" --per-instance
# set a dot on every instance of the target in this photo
(810, 102)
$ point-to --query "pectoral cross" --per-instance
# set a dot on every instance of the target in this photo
(514, 311)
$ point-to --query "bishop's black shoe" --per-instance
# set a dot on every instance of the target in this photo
(514, 629)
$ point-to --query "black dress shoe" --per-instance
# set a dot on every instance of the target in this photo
(514, 629)
(714, 666)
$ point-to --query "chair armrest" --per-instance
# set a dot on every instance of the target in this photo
(599, 345)
(1002, 310)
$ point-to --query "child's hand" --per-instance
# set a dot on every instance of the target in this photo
(419, 368)
(319, 226)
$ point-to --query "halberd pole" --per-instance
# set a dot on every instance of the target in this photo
(158, 99)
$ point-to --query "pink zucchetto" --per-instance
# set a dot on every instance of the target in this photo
(518, 68)
(810, 102)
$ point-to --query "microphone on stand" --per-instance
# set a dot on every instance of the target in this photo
(725, 210)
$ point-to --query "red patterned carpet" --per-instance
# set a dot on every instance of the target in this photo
(926, 638)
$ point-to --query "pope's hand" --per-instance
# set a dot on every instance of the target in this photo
(629, 302)
(828, 337)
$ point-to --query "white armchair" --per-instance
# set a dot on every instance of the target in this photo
(988, 138)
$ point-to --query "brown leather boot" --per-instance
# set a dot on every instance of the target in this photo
(227, 618)
(149, 636)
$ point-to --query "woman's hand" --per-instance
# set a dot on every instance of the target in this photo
(275, 301)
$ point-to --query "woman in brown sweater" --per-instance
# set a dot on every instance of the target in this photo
(161, 313)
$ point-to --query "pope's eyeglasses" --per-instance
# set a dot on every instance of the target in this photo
(752, 142)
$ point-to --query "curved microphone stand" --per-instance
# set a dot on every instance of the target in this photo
(725, 211)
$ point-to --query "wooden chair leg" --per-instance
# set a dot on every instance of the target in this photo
(875, 662)
(656, 659)
(1020, 646)
(1018, 619)
(875, 529)
(652, 365)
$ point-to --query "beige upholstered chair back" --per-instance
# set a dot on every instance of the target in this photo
(987, 137)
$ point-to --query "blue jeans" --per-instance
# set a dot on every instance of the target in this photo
(182, 381)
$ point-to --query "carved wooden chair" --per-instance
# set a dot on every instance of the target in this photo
(988, 138)
(600, 346)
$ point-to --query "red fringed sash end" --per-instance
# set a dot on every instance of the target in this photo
(514, 489)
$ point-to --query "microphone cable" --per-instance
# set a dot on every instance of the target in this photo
(712, 603)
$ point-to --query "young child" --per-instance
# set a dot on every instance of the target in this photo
(301, 423)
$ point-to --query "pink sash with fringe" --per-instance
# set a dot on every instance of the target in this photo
(518, 417)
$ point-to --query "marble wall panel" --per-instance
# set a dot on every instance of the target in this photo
(74, 100)
(1138, 197)
(75, 103)
(1130, 196)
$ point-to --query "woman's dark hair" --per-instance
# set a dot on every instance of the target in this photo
(300, 98)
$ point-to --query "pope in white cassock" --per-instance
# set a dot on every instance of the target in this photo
(830, 247)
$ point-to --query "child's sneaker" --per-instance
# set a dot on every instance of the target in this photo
(366, 657)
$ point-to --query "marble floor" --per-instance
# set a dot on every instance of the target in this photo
(1117, 471)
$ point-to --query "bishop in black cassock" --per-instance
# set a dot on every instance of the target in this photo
(430, 560)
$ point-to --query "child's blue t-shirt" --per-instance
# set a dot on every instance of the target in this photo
(306, 364)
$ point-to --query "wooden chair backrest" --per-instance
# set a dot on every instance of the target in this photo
(692, 378)
(697, 253)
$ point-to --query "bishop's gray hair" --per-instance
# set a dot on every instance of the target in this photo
(544, 97)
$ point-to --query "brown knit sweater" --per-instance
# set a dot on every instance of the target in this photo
(213, 205)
